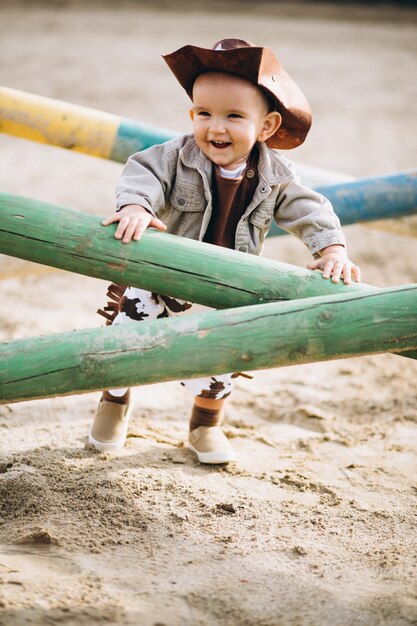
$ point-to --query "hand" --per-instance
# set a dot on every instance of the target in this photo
(334, 262)
(133, 221)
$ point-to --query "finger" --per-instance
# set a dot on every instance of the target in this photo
(142, 224)
(327, 270)
(156, 223)
(112, 218)
(139, 230)
(356, 272)
(337, 270)
(313, 265)
(347, 274)
(130, 229)
(123, 224)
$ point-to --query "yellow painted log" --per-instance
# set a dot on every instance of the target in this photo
(57, 123)
(74, 127)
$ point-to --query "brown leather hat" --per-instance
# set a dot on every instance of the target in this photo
(260, 67)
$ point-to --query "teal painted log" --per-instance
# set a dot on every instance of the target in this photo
(254, 337)
(167, 264)
(368, 199)
(133, 136)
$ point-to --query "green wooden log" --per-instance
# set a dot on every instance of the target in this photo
(254, 337)
(170, 265)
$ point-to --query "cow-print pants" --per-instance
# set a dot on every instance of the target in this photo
(130, 304)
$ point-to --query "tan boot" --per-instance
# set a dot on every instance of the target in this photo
(211, 445)
(109, 428)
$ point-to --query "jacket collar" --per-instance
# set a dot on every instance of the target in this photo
(191, 156)
(271, 166)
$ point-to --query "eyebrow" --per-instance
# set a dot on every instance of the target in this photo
(202, 108)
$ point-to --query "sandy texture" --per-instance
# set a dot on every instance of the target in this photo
(315, 525)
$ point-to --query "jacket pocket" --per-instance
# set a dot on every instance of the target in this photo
(260, 222)
(187, 197)
(262, 218)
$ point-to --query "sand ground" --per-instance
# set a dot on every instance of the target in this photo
(315, 525)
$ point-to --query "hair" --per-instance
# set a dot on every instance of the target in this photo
(271, 103)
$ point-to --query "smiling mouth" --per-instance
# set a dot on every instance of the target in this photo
(221, 144)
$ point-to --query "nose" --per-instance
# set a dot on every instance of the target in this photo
(217, 125)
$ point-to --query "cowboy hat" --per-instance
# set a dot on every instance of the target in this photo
(260, 67)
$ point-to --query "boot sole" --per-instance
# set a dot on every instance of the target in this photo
(213, 458)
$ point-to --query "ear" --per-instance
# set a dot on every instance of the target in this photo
(272, 121)
(192, 115)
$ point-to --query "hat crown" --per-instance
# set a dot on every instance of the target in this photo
(230, 43)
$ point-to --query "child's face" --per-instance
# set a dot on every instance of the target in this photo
(229, 116)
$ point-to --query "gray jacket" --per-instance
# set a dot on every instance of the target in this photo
(173, 181)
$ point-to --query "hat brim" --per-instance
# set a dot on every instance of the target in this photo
(260, 67)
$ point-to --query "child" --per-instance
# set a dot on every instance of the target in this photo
(222, 185)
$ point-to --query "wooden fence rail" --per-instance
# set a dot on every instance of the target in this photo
(73, 127)
(253, 337)
(170, 265)
(159, 262)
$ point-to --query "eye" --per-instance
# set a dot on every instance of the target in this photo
(204, 113)
(235, 115)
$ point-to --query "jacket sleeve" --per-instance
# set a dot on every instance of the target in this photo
(148, 176)
(309, 216)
